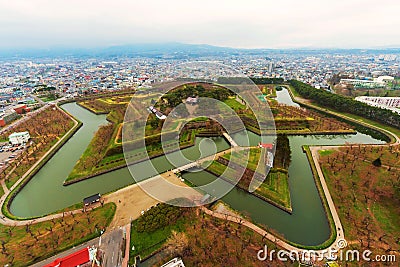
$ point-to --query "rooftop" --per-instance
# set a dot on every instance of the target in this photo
(18, 134)
(72, 260)
(91, 199)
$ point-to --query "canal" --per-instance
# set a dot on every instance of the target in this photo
(307, 225)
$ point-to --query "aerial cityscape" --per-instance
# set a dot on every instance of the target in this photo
(212, 134)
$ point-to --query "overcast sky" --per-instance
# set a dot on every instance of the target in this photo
(245, 23)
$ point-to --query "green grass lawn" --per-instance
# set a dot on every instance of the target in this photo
(48, 98)
(252, 158)
(1, 191)
(275, 187)
(325, 152)
(146, 243)
(234, 104)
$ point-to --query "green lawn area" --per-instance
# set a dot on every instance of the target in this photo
(48, 98)
(275, 187)
(252, 158)
(1, 191)
(325, 152)
(374, 123)
(146, 243)
(234, 104)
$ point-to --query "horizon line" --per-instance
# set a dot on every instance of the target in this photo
(91, 47)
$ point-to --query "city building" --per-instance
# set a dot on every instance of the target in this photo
(19, 138)
(379, 82)
(75, 259)
(7, 117)
(21, 109)
(384, 79)
(362, 83)
(391, 103)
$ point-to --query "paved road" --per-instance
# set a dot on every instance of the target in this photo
(23, 119)
(40, 101)
(112, 244)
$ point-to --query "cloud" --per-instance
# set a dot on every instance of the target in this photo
(251, 23)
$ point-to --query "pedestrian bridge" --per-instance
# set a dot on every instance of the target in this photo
(230, 140)
(198, 162)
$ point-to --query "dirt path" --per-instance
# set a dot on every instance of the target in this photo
(132, 200)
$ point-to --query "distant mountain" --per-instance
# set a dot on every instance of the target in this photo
(159, 50)
(172, 51)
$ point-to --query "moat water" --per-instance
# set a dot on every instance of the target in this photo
(307, 225)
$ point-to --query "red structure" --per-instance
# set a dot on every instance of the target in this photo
(2, 122)
(20, 109)
(72, 260)
(267, 146)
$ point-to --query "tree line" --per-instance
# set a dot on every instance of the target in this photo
(346, 104)
(283, 153)
(268, 80)
(174, 97)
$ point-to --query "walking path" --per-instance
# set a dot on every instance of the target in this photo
(230, 140)
(125, 260)
(3, 181)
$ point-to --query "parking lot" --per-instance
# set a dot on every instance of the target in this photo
(8, 154)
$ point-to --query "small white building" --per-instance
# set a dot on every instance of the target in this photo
(19, 138)
(176, 262)
(192, 100)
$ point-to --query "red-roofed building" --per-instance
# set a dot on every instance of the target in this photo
(267, 146)
(77, 258)
(20, 109)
